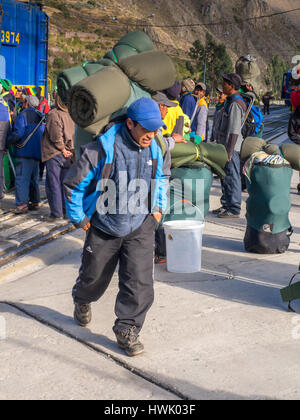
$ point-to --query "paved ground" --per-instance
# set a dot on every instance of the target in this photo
(222, 333)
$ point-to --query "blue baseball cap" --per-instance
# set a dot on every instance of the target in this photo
(146, 112)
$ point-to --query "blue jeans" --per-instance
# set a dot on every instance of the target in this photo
(27, 181)
(232, 186)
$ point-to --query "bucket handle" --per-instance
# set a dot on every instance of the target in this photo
(170, 208)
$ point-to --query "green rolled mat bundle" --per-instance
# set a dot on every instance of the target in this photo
(98, 96)
(154, 70)
(67, 79)
(214, 155)
(251, 145)
(290, 152)
(133, 43)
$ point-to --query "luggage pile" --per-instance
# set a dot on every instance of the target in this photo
(100, 93)
(268, 170)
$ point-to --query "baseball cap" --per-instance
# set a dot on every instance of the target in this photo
(174, 91)
(32, 100)
(188, 85)
(234, 79)
(201, 85)
(146, 112)
(162, 99)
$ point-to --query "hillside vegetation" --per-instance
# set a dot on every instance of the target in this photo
(84, 30)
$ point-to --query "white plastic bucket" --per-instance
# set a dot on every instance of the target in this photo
(184, 245)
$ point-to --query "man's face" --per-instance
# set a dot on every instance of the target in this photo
(200, 93)
(228, 88)
(140, 135)
(163, 111)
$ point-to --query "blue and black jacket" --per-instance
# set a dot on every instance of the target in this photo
(113, 153)
(24, 125)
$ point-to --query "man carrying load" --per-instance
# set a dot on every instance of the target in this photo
(103, 196)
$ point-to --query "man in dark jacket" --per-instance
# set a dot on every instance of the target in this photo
(294, 131)
(266, 101)
(108, 193)
(26, 138)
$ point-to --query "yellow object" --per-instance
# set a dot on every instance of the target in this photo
(173, 114)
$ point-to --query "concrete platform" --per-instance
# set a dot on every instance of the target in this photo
(222, 333)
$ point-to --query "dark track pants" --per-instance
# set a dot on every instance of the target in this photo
(232, 185)
(57, 167)
(1, 173)
(134, 253)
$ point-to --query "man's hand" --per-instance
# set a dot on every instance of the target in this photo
(157, 217)
(66, 153)
(179, 139)
(87, 227)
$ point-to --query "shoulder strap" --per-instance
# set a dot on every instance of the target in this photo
(20, 146)
(161, 144)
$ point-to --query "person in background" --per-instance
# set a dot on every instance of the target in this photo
(230, 135)
(20, 95)
(218, 113)
(188, 100)
(26, 138)
(199, 124)
(4, 131)
(266, 101)
(58, 154)
(43, 106)
(175, 117)
(294, 130)
(9, 97)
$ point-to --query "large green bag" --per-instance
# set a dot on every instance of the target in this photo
(190, 184)
(269, 200)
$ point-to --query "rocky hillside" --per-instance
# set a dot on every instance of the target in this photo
(85, 30)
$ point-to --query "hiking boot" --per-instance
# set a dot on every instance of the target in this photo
(228, 215)
(219, 210)
(83, 314)
(128, 341)
(53, 219)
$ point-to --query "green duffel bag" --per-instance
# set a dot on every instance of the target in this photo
(269, 202)
(67, 79)
(98, 96)
(154, 70)
(189, 184)
(251, 145)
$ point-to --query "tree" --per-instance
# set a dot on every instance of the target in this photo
(273, 78)
(211, 60)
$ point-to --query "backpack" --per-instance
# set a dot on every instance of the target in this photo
(253, 119)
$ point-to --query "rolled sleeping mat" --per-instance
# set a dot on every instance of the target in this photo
(251, 145)
(291, 152)
(67, 79)
(153, 71)
(213, 152)
(183, 154)
(133, 43)
(92, 68)
(136, 93)
(98, 96)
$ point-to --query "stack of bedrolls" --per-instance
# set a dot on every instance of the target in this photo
(100, 93)
(268, 169)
